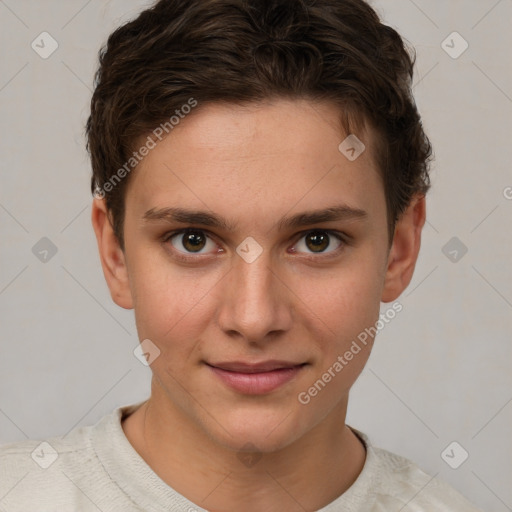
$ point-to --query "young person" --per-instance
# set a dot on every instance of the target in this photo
(260, 172)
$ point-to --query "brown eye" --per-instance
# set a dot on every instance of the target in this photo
(318, 241)
(193, 241)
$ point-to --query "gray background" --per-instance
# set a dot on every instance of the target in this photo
(440, 371)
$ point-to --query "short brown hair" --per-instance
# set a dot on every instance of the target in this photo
(240, 51)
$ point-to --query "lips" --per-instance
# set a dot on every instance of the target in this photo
(256, 378)
(265, 366)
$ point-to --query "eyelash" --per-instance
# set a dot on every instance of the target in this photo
(341, 237)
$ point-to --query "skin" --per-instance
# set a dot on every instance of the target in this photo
(254, 165)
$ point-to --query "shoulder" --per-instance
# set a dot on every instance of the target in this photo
(42, 465)
(58, 471)
(22, 456)
(402, 482)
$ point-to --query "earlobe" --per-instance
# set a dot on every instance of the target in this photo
(112, 257)
(404, 250)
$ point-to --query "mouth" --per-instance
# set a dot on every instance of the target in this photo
(256, 378)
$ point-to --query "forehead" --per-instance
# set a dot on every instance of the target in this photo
(278, 154)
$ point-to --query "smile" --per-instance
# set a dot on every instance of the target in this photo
(256, 379)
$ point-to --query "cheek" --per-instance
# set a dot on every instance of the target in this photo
(343, 302)
(171, 301)
(345, 311)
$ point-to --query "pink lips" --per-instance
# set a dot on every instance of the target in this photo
(256, 379)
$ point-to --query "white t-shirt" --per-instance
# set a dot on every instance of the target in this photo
(95, 468)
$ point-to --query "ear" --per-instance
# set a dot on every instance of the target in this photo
(111, 255)
(404, 250)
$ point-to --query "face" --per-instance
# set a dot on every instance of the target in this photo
(255, 254)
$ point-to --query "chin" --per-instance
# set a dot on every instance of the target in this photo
(268, 431)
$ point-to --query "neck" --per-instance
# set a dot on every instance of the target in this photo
(305, 475)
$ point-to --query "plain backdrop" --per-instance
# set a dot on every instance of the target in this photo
(440, 371)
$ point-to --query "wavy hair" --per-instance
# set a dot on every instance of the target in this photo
(240, 51)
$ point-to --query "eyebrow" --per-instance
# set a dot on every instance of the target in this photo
(185, 216)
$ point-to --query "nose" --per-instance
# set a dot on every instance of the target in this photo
(256, 305)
